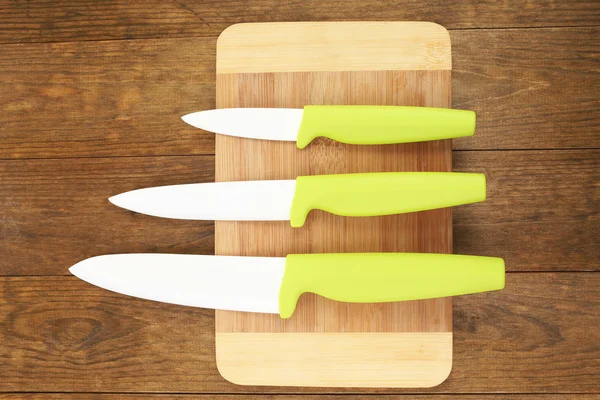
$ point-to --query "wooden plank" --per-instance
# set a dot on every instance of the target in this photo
(165, 396)
(534, 88)
(327, 343)
(72, 20)
(534, 246)
(519, 182)
(541, 213)
(61, 334)
(542, 210)
(531, 89)
(105, 99)
(56, 212)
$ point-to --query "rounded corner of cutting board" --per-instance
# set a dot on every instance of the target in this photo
(227, 370)
(441, 377)
(230, 32)
(443, 35)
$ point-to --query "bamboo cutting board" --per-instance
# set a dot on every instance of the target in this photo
(326, 343)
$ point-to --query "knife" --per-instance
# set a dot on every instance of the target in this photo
(346, 124)
(274, 284)
(368, 194)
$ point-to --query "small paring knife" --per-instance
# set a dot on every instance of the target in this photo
(274, 284)
(346, 124)
(368, 194)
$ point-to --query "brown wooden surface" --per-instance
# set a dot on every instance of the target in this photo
(59, 207)
(72, 20)
(533, 88)
(60, 334)
(89, 396)
(99, 116)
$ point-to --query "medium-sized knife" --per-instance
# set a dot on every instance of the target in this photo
(274, 284)
(368, 194)
(346, 124)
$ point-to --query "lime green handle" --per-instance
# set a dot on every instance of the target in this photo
(383, 193)
(383, 124)
(385, 277)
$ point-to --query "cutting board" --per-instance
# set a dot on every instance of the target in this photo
(328, 343)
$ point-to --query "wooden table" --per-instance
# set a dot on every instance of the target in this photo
(90, 99)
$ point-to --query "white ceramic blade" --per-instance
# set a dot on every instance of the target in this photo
(219, 282)
(221, 201)
(255, 123)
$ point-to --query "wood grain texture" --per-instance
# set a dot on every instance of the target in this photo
(59, 208)
(126, 396)
(312, 76)
(61, 334)
(252, 48)
(56, 212)
(533, 88)
(242, 159)
(104, 98)
(72, 20)
(415, 359)
(533, 198)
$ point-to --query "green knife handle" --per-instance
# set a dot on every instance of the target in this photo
(385, 277)
(383, 124)
(383, 193)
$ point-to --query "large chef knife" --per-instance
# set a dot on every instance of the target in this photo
(346, 124)
(369, 194)
(273, 285)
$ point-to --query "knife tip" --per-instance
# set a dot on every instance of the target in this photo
(75, 269)
(187, 118)
(115, 200)
(84, 269)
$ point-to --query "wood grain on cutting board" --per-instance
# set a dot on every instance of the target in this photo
(327, 343)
